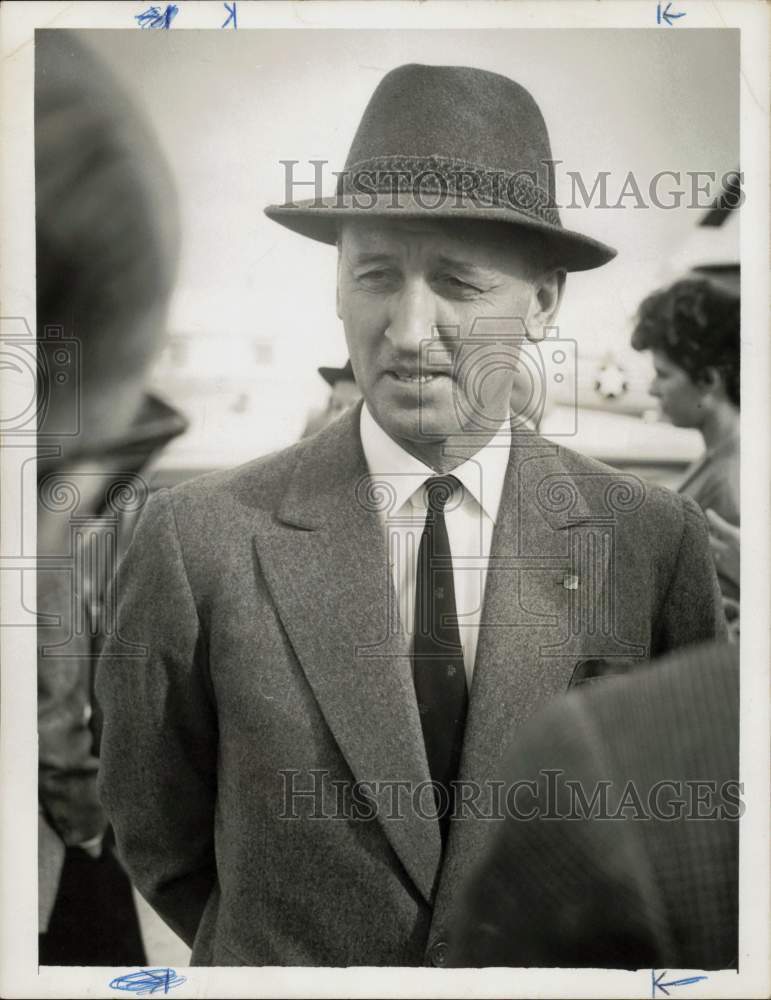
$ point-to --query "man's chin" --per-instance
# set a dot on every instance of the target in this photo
(415, 427)
(424, 427)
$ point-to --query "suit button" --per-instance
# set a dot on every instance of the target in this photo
(438, 954)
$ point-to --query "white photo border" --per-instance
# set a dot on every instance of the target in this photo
(19, 973)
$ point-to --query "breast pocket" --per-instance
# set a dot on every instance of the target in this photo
(592, 670)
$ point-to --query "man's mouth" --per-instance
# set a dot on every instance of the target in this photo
(416, 378)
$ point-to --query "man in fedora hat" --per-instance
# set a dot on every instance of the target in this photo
(336, 641)
(343, 393)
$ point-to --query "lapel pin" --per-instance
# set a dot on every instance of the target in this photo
(570, 581)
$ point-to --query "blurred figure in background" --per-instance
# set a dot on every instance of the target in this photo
(724, 540)
(692, 331)
(107, 243)
(344, 393)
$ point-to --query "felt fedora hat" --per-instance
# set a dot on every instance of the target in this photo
(448, 142)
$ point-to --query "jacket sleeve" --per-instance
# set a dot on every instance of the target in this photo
(67, 766)
(159, 741)
(691, 609)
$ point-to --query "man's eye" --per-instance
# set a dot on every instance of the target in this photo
(377, 276)
(458, 285)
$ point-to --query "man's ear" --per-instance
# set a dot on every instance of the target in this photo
(547, 296)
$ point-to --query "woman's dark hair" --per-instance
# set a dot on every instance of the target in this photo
(695, 323)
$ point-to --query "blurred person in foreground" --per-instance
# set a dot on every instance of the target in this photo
(106, 237)
(692, 331)
(343, 394)
(282, 769)
(618, 846)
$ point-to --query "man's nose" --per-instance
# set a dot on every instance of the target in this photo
(414, 314)
(653, 389)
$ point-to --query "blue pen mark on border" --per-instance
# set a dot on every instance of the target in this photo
(147, 982)
(656, 983)
(666, 15)
(153, 17)
(232, 14)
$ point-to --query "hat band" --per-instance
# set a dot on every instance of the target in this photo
(433, 181)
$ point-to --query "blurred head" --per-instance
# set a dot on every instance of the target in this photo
(692, 331)
(107, 244)
(411, 295)
(344, 393)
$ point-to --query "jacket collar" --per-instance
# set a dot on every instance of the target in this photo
(482, 474)
(332, 469)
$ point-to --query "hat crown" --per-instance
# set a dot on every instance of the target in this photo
(449, 143)
(454, 112)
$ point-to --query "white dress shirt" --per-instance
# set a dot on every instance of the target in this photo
(470, 517)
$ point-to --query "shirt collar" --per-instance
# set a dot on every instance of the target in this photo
(482, 475)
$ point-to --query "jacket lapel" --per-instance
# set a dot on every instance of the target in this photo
(521, 663)
(324, 557)
(526, 600)
(325, 561)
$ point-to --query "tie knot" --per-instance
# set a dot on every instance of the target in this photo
(439, 490)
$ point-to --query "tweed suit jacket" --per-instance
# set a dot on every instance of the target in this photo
(259, 607)
(656, 888)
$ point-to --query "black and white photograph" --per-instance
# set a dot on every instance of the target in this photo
(385, 407)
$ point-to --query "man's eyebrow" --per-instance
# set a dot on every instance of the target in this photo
(457, 264)
(365, 257)
(466, 266)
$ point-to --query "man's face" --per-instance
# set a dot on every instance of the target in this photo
(409, 295)
(680, 400)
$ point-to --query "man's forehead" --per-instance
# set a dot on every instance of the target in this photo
(469, 239)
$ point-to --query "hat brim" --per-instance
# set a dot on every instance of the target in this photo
(318, 219)
(334, 375)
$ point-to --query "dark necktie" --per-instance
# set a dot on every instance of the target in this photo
(438, 668)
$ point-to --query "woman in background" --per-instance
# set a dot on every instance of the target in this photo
(692, 331)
